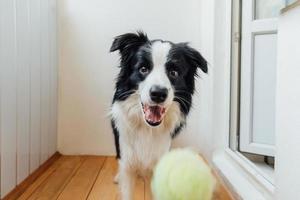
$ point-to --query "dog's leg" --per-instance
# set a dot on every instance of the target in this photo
(147, 180)
(126, 183)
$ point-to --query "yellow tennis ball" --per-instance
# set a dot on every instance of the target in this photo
(182, 174)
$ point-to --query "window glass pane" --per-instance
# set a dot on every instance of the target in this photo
(264, 81)
(268, 8)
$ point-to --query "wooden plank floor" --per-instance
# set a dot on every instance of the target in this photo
(88, 177)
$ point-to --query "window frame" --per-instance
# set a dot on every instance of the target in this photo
(241, 174)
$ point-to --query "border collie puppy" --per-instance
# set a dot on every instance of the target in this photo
(153, 96)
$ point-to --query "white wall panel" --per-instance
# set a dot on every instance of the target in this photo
(23, 88)
(8, 96)
(45, 81)
(28, 88)
(35, 84)
(288, 107)
(53, 76)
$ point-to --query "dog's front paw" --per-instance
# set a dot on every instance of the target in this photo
(116, 179)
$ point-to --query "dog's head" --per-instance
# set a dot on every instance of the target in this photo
(160, 72)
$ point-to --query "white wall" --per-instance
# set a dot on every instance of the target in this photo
(87, 70)
(28, 77)
(221, 79)
(288, 107)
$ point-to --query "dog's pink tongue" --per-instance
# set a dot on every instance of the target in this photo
(153, 114)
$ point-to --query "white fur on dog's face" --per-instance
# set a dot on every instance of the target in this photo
(157, 76)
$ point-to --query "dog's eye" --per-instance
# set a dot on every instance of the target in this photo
(144, 70)
(173, 74)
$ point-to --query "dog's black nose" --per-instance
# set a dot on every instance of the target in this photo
(158, 94)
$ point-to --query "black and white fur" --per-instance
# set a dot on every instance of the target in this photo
(169, 70)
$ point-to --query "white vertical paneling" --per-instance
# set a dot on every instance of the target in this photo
(35, 84)
(45, 81)
(28, 97)
(8, 96)
(23, 88)
(53, 76)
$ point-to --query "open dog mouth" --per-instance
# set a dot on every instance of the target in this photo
(153, 114)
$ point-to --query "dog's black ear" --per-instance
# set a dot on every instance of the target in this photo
(128, 42)
(196, 58)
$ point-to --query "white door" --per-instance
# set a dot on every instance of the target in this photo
(258, 75)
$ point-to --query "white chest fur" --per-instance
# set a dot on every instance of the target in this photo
(142, 148)
(142, 145)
